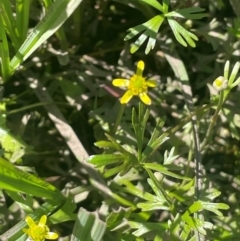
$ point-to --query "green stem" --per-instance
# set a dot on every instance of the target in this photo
(11, 112)
(213, 121)
(119, 117)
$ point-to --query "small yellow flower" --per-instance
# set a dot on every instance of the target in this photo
(137, 85)
(220, 83)
(40, 231)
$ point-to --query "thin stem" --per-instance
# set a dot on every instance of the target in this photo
(213, 122)
(119, 117)
(33, 106)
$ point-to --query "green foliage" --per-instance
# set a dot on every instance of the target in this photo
(152, 26)
(166, 171)
(88, 227)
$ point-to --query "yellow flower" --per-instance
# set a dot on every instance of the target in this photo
(40, 231)
(137, 85)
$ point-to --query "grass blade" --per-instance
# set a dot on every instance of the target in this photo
(16, 180)
(9, 22)
(22, 18)
(4, 53)
(57, 14)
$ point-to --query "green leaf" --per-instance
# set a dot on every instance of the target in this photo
(146, 9)
(139, 124)
(174, 226)
(213, 207)
(57, 14)
(130, 188)
(165, 6)
(13, 179)
(153, 3)
(66, 213)
(88, 227)
(226, 69)
(212, 194)
(196, 224)
(117, 146)
(113, 171)
(105, 159)
(188, 13)
(157, 130)
(116, 217)
(234, 73)
(183, 36)
(169, 158)
(26, 203)
(22, 18)
(14, 147)
(150, 29)
(232, 77)
(4, 53)
(200, 205)
(156, 190)
(129, 157)
(160, 188)
(150, 206)
(145, 227)
(156, 141)
(126, 167)
(104, 144)
(164, 170)
(9, 23)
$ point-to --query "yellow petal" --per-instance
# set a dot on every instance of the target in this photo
(140, 68)
(145, 99)
(51, 235)
(120, 82)
(151, 83)
(126, 97)
(30, 222)
(25, 230)
(42, 221)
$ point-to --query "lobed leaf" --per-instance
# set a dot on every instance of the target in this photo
(188, 13)
(150, 29)
(183, 36)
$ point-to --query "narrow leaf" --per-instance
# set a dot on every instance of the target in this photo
(9, 23)
(22, 18)
(4, 53)
(14, 179)
(154, 3)
(164, 170)
(105, 159)
(57, 14)
(150, 206)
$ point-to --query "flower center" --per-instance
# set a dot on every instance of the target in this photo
(219, 83)
(137, 85)
(39, 233)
